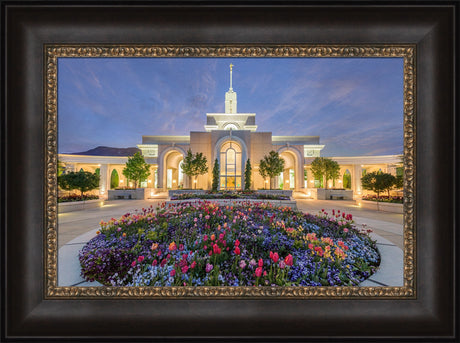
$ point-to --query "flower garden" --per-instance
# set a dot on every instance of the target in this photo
(203, 244)
(230, 195)
(384, 198)
(74, 197)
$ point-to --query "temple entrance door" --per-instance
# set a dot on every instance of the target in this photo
(230, 166)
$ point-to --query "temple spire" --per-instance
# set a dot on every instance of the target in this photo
(230, 96)
(231, 72)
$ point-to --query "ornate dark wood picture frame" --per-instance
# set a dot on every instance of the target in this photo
(36, 36)
(53, 53)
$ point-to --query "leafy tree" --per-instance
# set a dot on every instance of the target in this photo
(82, 180)
(215, 175)
(388, 182)
(136, 168)
(378, 182)
(263, 170)
(325, 169)
(271, 165)
(194, 165)
(399, 183)
(63, 182)
(60, 168)
(247, 176)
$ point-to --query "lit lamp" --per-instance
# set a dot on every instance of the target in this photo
(150, 181)
(174, 181)
(121, 181)
(311, 181)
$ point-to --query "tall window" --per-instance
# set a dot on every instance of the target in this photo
(230, 166)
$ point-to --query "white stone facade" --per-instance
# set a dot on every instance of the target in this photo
(232, 139)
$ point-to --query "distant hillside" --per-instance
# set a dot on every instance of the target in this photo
(108, 151)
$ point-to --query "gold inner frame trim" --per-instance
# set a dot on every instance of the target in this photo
(55, 51)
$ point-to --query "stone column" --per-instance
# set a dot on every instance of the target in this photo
(299, 176)
(356, 179)
(175, 177)
(286, 180)
(104, 181)
(310, 178)
(160, 174)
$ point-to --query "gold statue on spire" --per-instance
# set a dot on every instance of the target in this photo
(231, 67)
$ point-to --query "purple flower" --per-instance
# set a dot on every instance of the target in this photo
(209, 267)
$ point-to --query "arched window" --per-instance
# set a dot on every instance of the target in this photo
(114, 179)
(231, 126)
(230, 166)
(347, 179)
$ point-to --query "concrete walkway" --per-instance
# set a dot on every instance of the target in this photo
(77, 228)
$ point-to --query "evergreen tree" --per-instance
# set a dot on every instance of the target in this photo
(271, 165)
(136, 169)
(215, 175)
(247, 176)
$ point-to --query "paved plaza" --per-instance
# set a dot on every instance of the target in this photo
(76, 228)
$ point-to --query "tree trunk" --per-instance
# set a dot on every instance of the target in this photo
(325, 182)
(194, 181)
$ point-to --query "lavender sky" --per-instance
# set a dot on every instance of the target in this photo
(355, 105)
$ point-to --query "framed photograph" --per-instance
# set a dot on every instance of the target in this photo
(314, 212)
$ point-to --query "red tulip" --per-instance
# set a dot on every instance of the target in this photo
(289, 260)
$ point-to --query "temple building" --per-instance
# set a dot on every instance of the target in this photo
(232, 138)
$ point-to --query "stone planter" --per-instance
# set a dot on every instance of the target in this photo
(382, 206)
(72, 206)
(334, 194)
(129, 194)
